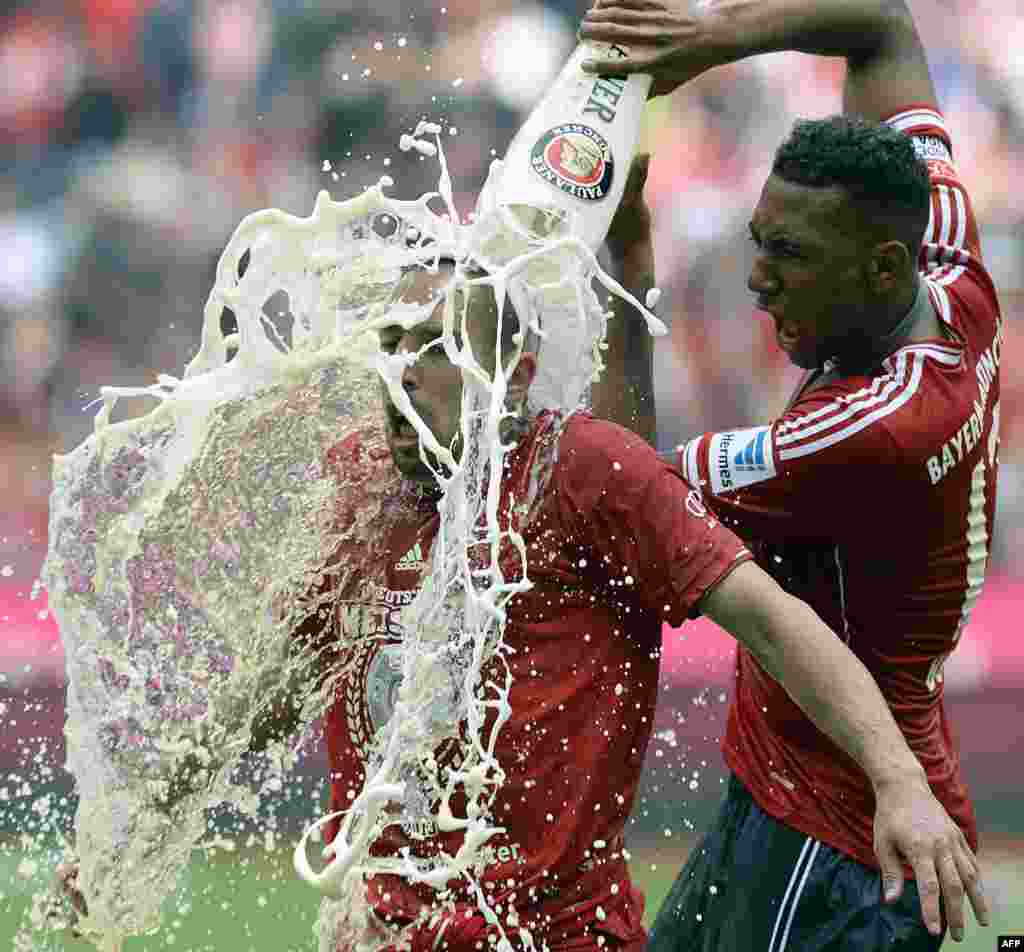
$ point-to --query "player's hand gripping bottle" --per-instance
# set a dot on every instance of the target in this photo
(566, 168)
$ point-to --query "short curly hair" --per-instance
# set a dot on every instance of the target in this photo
(877, 166)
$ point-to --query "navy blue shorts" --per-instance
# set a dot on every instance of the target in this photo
(755, 885)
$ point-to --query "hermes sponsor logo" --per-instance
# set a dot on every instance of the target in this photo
(739, 458)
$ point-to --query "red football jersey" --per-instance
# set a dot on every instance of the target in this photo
(872, 498)
(617, 544)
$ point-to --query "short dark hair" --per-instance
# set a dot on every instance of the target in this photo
(510, 324)
(877, 166)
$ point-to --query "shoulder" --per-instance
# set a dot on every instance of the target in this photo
(601, 466)
(600, 450)
(881, 420)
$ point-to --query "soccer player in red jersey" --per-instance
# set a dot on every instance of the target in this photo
(871, 496)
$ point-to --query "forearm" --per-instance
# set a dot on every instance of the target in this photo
(886, 67)
(625, 391)
(855, 29)
(819, 672)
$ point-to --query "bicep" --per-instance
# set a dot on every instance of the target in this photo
(770, 623)
(746, 603)
(891, 76)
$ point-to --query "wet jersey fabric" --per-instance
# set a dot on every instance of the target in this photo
(872, 498)
(617, 544)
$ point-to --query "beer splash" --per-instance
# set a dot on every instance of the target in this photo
(184, 544)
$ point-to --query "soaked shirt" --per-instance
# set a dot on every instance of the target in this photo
(872, 498)
(617, 544)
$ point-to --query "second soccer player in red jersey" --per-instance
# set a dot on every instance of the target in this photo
(872, 495)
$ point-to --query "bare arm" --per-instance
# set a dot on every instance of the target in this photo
(886, 65)
(625, 392)
(838, 694)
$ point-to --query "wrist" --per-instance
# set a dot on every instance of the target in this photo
(908, 773)
(634, 259)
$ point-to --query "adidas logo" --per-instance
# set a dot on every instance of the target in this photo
(412, 561)
(752, 457)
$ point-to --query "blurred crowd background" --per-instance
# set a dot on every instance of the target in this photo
(135, 134)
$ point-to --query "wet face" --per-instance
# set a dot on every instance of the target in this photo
(811, 270)
(432, 382)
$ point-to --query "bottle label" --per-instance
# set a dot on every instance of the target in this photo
(576, 159)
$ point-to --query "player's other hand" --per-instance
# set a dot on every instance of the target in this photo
(666, 38)
(69, 903)
(911, 826)
(630, 229)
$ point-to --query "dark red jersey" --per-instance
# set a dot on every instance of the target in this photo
(872, 498)
(617, 544)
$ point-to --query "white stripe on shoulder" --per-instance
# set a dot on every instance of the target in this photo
(796, 423)
(882, 390)
(902, 390)
(939, 236)
(915, 118)
(949, 356)
(961, 218)
(940, 297)
(945, 222)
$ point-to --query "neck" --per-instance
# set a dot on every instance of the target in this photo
(915, 323)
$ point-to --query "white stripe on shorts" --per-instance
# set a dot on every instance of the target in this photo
(791, 898)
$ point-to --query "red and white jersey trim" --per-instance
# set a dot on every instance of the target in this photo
(944, 255)
(911, 119)
(850, 414)
(894, 390)
(940, 298)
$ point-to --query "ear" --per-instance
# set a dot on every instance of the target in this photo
(891, 263)
(521, 377)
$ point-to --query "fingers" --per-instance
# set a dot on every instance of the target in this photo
(617, 32)
(970, 876)
(892, 871)
(635, 63)
(626, 5)
(613, 13)
(67, 879)
(942, 884)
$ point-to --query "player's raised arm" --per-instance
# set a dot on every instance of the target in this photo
(837, 692)
(675, 42)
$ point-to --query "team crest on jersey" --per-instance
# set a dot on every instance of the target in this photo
(738, 458)
(576, 159)
(373, 673)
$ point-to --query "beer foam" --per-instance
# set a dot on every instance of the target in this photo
(185, 543)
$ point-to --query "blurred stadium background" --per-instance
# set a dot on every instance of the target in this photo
(135, 134)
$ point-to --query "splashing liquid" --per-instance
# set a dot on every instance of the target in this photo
(184, 544)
